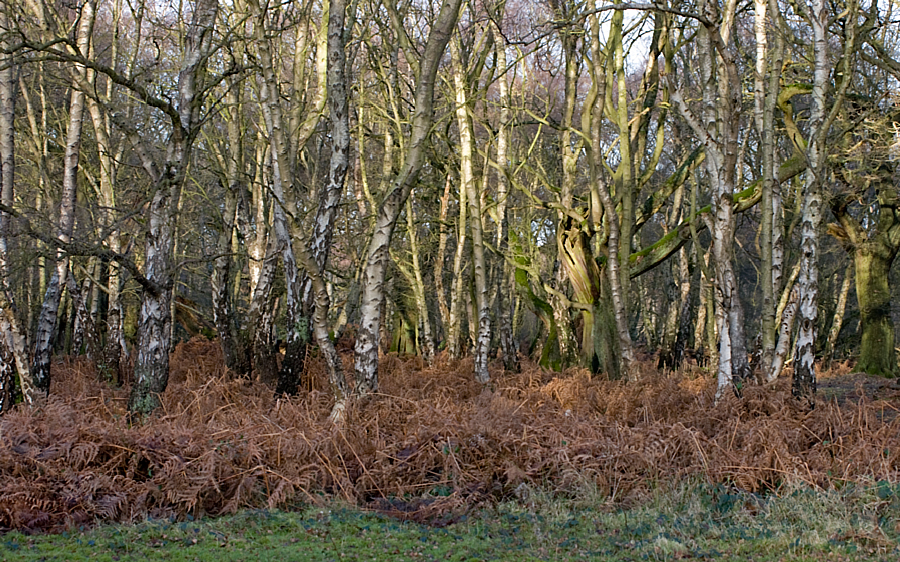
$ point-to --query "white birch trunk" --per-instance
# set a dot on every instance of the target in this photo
(151, 371)
(804, 380)
(481, 317)
(504, 281)
(13, 347)
(46, 327)
(366, 351)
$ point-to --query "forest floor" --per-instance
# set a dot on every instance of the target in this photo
(434, 448)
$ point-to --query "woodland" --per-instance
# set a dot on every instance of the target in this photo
(256, 252)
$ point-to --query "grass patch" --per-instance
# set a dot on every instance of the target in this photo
(693, 521)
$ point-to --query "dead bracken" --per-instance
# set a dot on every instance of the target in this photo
(432, 443)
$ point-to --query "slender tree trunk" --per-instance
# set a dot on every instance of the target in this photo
(234, 351)
(480, 319)
(13, 348)
(785, 331)
(717, 128)
(454, 324)
(366, 351)
(426, 339)
(284, 211)
(315, 258)
(443, 308)
(45, 335)
(804, 381)
(838, 320)
(504, 282)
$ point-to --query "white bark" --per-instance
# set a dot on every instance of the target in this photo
(779, 357)
(717, 127)
(481, 315)
(366, 351)
(151, 370)
(46, 327)
(13, 347)
(804, 383)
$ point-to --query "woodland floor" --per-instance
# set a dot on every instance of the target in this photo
(430, 447)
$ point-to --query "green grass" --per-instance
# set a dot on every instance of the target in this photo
(695, 522)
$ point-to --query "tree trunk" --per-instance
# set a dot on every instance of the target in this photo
(235, 353)
(504, 282)
(838, 320)
(13, 347)
(45, 335)
(454, 323)
(876, 354)
(151, 370)
(480, 321)
(426, 339)
(366, 350)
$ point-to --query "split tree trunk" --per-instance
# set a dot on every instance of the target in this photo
(151, 371)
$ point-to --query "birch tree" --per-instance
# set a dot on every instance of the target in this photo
(13, 353)
(717, 126)
(46, 328)
(372, 297)
(151, 372)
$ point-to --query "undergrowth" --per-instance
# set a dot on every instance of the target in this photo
(430, 447)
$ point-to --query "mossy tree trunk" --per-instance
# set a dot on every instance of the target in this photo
(873, 267)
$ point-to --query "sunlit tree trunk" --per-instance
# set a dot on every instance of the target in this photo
(717, 127)
(838, 320)
(13, 353)
(504, 282)
(481, 316)
(366, 350)
(820, 119)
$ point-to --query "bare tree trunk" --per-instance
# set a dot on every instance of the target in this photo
(234, 351)
(600, 190)
(454, 325)
(45, 335)
(284, 211)
(151, 369)
(109, 359)
(804, 381)
(13, 348)
(765, 103)
(366, 363)
(314, 259)
(480, 321)
(838, 320)
(718, 130)
(426, 339)
(504, 282)
(443, 308)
